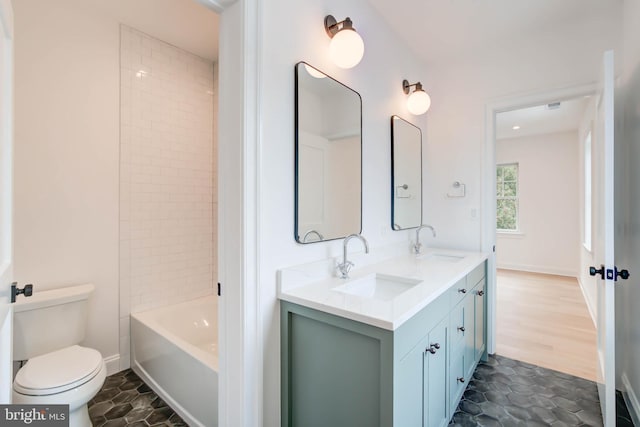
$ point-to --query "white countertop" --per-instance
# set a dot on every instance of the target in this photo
(312, 286)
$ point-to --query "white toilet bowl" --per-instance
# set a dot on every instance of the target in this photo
(71, 376)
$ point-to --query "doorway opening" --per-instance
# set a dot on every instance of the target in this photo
(543, 232)
(123, 176)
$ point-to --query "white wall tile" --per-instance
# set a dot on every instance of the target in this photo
(167, 170)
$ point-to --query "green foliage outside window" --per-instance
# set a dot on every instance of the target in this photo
(507, 197)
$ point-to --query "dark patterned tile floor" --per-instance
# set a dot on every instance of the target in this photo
(507, 392)
(503, 392)
(125, 400)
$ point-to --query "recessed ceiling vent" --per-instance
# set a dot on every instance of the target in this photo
(553, 106)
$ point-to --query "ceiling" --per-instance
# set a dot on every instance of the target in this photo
(183, 23)
(541, 120)
(441, 31)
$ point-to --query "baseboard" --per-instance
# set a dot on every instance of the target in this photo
(538, 269)
(113, 364)
(631, 399)
(592, 313)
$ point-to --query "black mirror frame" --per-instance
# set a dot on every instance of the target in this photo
(393, 184)
(296, 236)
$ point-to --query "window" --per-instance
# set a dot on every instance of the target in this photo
(507, 197)
(587, 192)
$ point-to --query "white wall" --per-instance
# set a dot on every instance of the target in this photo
(564, 56)
(548, 239)
(66, 156)
(378, 79)
(628, 212)
(166, 177)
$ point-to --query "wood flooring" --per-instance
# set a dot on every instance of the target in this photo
(543, 320)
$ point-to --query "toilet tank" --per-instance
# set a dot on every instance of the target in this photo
(49, 320)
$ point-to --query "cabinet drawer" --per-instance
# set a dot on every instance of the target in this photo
(476, 275)
(458, 291)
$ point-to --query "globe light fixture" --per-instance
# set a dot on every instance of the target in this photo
(419, 101)
(346, 48)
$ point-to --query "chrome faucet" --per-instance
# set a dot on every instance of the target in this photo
(346, 265)
(418, 246)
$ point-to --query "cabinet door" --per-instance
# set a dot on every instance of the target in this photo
(435, 379)
(457, 381)
(469, 336)
(480, 321)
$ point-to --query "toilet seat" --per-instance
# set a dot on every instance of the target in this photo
(58, 371)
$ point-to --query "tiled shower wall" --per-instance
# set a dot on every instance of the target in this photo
(167, 167)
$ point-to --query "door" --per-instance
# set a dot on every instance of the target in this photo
(604, 242)
(6, 198)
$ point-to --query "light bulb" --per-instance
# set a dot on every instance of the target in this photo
(418, 102)
(346, 48)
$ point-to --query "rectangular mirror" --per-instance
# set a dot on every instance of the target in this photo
(406, 174)
(328, 157)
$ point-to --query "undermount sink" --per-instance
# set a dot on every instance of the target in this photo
(441, 257)
(378, 286)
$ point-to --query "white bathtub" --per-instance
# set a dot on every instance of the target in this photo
(174, 350)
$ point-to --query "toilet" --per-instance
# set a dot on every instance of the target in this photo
(47, 330)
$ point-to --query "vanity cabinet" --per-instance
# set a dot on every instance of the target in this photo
(342, 373)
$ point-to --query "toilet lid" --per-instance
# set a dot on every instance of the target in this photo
(58, 371)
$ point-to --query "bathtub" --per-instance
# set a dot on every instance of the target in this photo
(174, 350)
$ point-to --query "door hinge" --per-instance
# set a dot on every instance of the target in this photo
(219, 289)
(611, 273)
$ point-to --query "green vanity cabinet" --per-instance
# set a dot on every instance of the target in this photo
(343, 373)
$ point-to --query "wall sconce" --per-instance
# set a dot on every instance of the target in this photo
(346, 48)
(419, 101)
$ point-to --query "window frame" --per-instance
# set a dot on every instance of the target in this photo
(516, 197)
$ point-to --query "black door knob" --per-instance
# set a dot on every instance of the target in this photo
(594, 271)
(623, 274)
